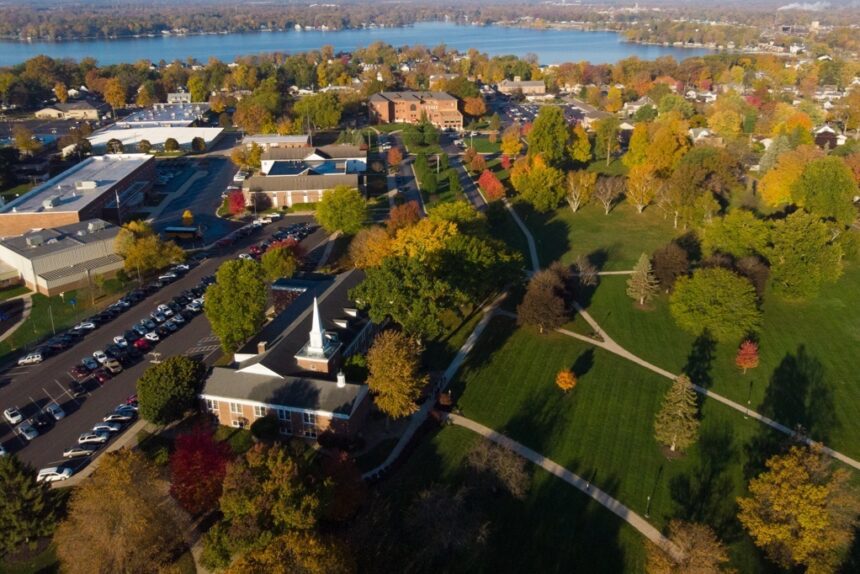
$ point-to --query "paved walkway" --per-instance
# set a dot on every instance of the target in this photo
(633, 519)
(533, 254)
(329, 246)
(25, 314)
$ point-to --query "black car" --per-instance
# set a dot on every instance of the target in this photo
(114, 351)
(163, 331)
(131, 336)
(152, 288)
(133, 353)
(77, 390)
(42, 421)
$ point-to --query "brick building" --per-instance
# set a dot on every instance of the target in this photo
(291, 370)
(88, 190)
(440, 108)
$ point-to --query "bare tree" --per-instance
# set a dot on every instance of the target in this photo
(608, 191)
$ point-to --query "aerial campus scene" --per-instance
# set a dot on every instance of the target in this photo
(416, 286)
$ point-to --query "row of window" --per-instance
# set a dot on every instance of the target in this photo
(285, 421)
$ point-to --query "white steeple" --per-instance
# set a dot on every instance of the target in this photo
(317, 334)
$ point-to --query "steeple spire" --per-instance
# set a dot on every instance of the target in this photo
(317, 334)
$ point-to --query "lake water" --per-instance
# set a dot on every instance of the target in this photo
(551, 46)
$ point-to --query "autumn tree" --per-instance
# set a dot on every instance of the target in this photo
(803, 256)
(342, 209)
(320, 111)
(236, 302)
(668, 143)
(28, 509)
(116, 520)
(295, 552)
(511, 145)
(114, 146)
(279, 262)
(827, 188)
(477, 163)
(198, 465)
(168, 389)
(676, 424)
(580, 188)
(538, 183)
(580, 145)
(143, 250)
(608, 190)
(548, 137)
(475, 107)
(543, 304)
(369, 247)
(642, 284)
(606, 138)
(395, 156)
(25, 142)
(565, 380)
(236, 202)
(717, 300)
(491, 186)
(144, 146)
(739, 233)
(404, 215)
(699, 551)
(497, 468)
(642, 185)
(637, 149)
(747, 357)
(348, 490)
(394, 377)
(114, 94)
(777, 185)
(61, 92)
(801, 511)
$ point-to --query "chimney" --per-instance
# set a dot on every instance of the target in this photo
(341, 380)
(261, 347)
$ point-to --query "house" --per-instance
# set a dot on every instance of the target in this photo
(291, 370)
(302, 174)
(440, 108)
(827, 138)
(179, 98)
(77, 110)
(526, 88)
(52, 261)
(704, 136)
(630, 108)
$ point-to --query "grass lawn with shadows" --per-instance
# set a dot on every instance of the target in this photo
(603, 430)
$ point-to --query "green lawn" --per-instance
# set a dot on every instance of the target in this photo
(483, 144)
(13, 192)
(44, 562)
(613, 242)
(603, 430)
(10, 292)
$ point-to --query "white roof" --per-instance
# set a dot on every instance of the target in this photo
(155, 136)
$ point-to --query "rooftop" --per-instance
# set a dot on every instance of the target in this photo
(267, 139)
(156, 135)
(78, 186)
(177, 115)
(40, 242)
(411, 96)
(333, 151)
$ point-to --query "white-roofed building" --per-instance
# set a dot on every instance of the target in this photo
(156, 136)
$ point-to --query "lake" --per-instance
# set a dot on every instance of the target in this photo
(551, 46)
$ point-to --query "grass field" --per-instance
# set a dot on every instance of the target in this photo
(483, 144)
(603, 430)
(613, 242)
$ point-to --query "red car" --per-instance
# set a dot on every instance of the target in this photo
(79, 373)
(101, 375)
(141, 344)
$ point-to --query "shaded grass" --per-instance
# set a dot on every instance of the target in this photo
(14, 291)
(44, 562)
(37, 327)
(376, 455)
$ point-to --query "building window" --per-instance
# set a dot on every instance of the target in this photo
(310, 425)
(309, 418)
(211, 405)
(236, 423)
(236, 408)
(259, 411)
(284, 415)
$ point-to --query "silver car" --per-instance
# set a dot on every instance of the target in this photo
(55, 411)
(27, 430)
(107, 427)
(94, 437)
(80, 450)
(54, 474)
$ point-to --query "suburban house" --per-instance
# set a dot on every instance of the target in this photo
(704, 136)
(526, 88)
(78, 110)
(292, 369)
(440, 108)
(179, 98)
(87, 190)
(827, 138)
(302, 174)
(51, 261)
(630, 108)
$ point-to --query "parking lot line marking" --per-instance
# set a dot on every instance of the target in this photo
(53, 400)
(35, 404)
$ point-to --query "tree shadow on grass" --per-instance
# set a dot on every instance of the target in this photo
(492, 340)
(537, 422)
(704, 493)
(700, 360)
(550, 234)
(799, 398)
(583, 363)
(585, 287)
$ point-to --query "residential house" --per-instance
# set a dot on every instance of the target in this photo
(81, 110)
(630, 108)
(526, 88)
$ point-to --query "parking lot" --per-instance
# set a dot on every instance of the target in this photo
(31, 388)
(527, 113)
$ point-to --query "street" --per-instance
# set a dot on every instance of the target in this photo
(32, 387)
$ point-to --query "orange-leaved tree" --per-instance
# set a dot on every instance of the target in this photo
(747, 357)
(565, 380)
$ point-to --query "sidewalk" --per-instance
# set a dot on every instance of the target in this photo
(25, 314)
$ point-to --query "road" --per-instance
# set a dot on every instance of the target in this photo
(31, 388)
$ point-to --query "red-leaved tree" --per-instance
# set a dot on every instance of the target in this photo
(405, 215)
(292, 245)
(526, 129)
(348, 488)
(236, 202)
(747, 357)
(491, 186)
(394, 157)
(197, 468)
(506, 162)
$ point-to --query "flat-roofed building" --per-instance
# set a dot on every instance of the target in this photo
(166, 115)
(268, 141)
(77, 110)
(131, 136)
(440, 108)
(63, 258)
(82, 192)
(525, 87)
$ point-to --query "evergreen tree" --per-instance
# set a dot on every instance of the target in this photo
(642, 285)
(27, 509)
(676, 424)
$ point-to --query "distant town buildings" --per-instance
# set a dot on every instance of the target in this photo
(270, 141)
(440, 108)
(77, 110)
(526, 88)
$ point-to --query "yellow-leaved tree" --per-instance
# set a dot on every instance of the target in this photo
(143, 250)
(777, 184)
(369, 247)
(642, 186)
(292, 552)
(394, 378)
(511, 144)
(426, 237)
(565, 380)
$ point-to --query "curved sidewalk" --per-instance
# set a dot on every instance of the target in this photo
(617, 508)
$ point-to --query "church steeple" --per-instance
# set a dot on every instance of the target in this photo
(317, 340)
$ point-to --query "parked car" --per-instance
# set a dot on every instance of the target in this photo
(80, 450)
(79, 373)
(152, 336)
(168, 277)
(26, 430)
(55, 411)
(90, 363)
(54, 474)
(93, 437)
(130, 336)
(158, 317)
(194, 307)
(120, 341)
(142, 345)
(164, 310)
(107, 427)
(118, 417)
(140, 329)
(170, 326)
(101, 375)
(12, 415)
(100, 356)
(178, 319)
(113, 366)
(31, 359)
(77, 390)
(85, 326)
(42, 421)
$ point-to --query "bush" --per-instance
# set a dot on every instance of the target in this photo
(265, 429)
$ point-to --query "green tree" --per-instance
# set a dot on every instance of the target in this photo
(342, 209)
(197, 88)
(279, 262)
(740, 233)
(25, 142)
(827, 188)
(548, 136)
(394, 377)
(143, 146)
(801, 511)
(716, 300)
(676, 424)
(28, 509)
(198, 145)
(606, 138)
(143, 250)
(321, 111)
(171, 145)
(236, 302)
(114, 145)
(642, 284)
(454, 182)
(117, 521)
(168, 389)
(802, 256)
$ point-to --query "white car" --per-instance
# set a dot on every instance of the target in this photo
(27, 430)
(165, 310)
(107, 427)
(120, 342)
(31, 359)
(85, 326)
(240, 176)
(53, 474)
(246, 256)
(119, 417)
(79, 450)
(194, 307)
(100, 357)
(94, 437)
(2, 451)
(152, 336)
(55, 411)
(182, 268)
(13, 415)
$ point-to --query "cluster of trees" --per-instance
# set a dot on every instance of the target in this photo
(419, 270)
(143, 250)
